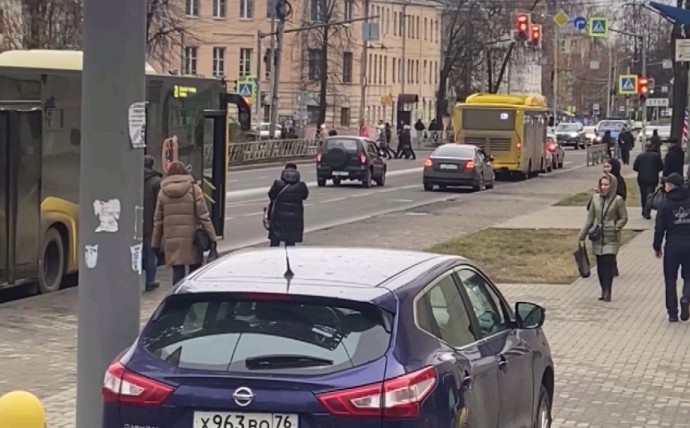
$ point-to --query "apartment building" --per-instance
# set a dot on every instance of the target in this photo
(400, 70)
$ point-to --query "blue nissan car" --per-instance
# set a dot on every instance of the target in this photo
(335, 338)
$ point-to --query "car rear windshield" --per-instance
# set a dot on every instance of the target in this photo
(348, 144)
(454, 151)
(567, 128)
(253, 333)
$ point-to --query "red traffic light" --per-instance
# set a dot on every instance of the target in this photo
(522, 22)
(642, 86)
(535, 33)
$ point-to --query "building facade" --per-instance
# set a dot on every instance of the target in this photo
(400, 70)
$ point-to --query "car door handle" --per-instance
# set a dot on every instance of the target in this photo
(502, 362)
(466, 381)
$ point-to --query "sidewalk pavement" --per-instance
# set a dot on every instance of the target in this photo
(617, 365)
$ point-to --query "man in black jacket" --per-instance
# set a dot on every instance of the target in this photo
(626, 141)
(152, 185)
(673, 222)
(648, 165)
(655, 140)
(675, 158)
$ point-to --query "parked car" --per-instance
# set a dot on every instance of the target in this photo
(571, 134)
(350, 158)
(264, 131)
(613, 125)
(555, 155)
(354, 338)
(457, 165)
(664, 132)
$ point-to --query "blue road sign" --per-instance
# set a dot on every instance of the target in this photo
(580, 23)
(245, 89)
(627, 84)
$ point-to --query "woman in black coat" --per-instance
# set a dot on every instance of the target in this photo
(286, 210)
(613, 167)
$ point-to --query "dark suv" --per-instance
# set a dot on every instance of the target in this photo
(350, 158)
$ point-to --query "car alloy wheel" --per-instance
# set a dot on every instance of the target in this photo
(544, 410)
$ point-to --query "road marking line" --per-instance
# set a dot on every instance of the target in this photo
(327, 201)
(400, 200)
(252, 214)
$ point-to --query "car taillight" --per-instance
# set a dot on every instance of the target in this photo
(551, 148)
(469, 164)
(362, 158)
(428, 163)
(401, 397)
(121, 386)
(318, 158)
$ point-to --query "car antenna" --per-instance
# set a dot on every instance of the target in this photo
(289, 274)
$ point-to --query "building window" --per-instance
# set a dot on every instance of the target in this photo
(345, 117)
(219, 8)
(218, 62)
(191, 7)
(268, 63)
(190, 55)
(393, 69)
(312, 115)
(317, 12)
(400, 71)
(376, 69)
(416, 74)
(426, 30)
(401, 24)
(416, 28)
(425, 74)
(349, 8)
(385, 71)
(436, 30)
(245, 62)
(246, 9)
(395, 23)
(388, 21)
(369, 75)
(315, 64)
(347, 67)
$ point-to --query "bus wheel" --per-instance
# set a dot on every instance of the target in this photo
(52, 262)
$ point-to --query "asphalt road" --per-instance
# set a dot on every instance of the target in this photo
(332, 206)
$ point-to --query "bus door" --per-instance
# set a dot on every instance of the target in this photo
(216, 168)
(20, 194)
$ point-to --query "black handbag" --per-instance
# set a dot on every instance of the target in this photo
(596, 231)
(582, 261)
(202, 241)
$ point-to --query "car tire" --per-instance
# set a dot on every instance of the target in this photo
(428, 187)
(337, 181)
(321, 182)
(543, 416)
(492, 183)
(381, 181)
(479, 186)
(366, 181)
(52, 262)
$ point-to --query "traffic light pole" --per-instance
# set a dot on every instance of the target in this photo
(643, 104)
(110, 193)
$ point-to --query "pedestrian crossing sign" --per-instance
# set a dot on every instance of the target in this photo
(627, 84)
(246, 89)
(598, 27)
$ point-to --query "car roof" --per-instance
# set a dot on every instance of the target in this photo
(364, 274)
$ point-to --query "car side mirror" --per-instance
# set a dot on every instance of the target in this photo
(529, 316)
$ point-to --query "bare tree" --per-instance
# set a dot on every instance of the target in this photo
(326, 48)
(57, 24)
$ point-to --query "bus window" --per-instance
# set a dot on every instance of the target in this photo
(488, 119)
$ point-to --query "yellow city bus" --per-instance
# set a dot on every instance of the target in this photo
(40, 152)
(509, 127)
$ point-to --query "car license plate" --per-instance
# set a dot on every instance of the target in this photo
(245, 420)
(448, 166)
(341, 173)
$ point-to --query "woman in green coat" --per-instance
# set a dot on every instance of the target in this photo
(606, 217)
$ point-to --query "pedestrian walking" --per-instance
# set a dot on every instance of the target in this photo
(384, 137)
(675, 158)
(419, 127)
(152, 186)
(613, 167)
(285, 212)
(648, 165)
(405, 144)
(655, 142)
(626, 141)
(606, 217)
(608, 141)
(181, 215)
(673, 225)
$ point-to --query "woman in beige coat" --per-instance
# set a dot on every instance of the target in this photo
(174, 223)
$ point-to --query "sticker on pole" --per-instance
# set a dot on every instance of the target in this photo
(108, 213)
(135, 252)
(137, 125)
(91, 256)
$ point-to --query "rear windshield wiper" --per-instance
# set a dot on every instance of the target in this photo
(279, 361)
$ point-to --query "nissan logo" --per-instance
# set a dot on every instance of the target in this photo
(243, 396)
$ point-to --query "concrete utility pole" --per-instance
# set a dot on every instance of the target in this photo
(110, 194)
(556, 47)
(363, 78)
(281, 12)
(608, 83)
(259, 60)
